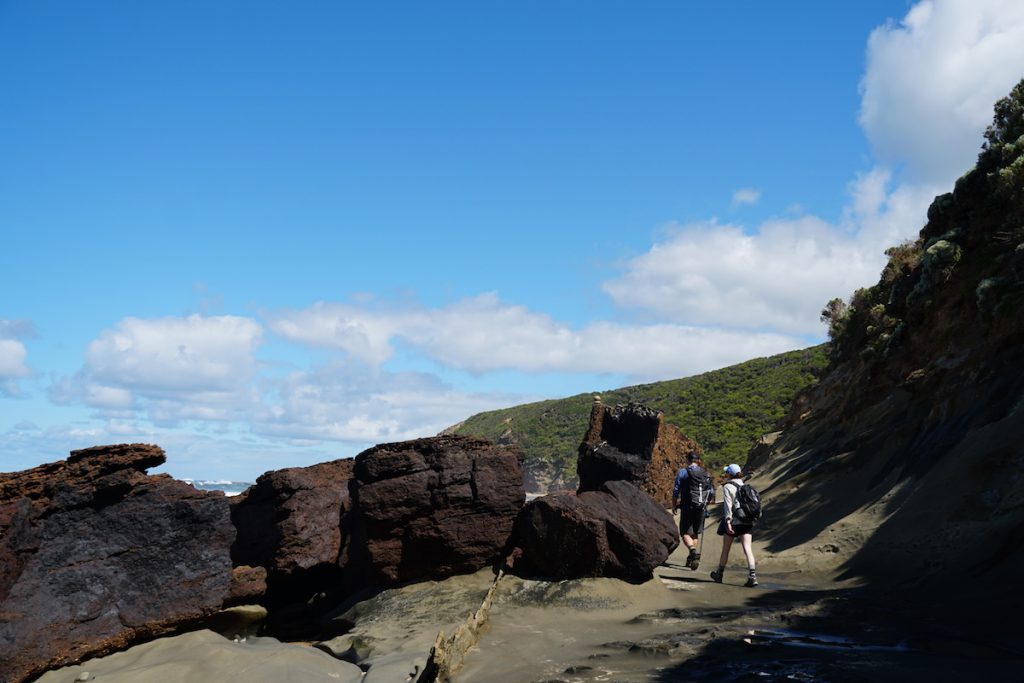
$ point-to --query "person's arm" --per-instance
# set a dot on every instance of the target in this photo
(729, 497)
(680, 476)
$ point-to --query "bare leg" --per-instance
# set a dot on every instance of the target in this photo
(688, 541)
(748, 550)
(726, 546)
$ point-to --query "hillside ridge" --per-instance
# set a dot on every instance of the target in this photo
(726, 411)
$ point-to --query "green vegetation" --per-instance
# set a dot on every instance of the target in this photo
(981, 221)
(725, 411)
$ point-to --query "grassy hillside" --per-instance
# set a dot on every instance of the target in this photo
(725, 411)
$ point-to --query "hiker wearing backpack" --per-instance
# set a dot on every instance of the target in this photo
(691, 494)
(741, 508)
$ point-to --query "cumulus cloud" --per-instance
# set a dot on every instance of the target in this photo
(931, 80)
(193, 367)
(13, 355)
(351, 402)
(12, 359)
(778, 276)
(745, 196)
(483, 334)
(927, 96)
(714, 274)
(12, 366)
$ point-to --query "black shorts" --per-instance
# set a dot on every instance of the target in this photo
(691, 520)
(738, 529)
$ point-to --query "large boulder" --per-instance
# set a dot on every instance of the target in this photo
(632, 443)
(617, 531)
(430, 508)
(289, 523)
(95, 555)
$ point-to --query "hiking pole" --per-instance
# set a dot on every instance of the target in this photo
(700, 536)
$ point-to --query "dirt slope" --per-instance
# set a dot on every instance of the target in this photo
(908, 457)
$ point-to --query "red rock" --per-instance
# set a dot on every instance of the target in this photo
(289, 522)
(632, 443)
(430, 508)
(248, 585)
(617, 531)
(96, 555)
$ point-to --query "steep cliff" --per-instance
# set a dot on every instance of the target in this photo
(912, 445)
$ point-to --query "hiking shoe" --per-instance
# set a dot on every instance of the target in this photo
(751, 582)
(716, 576)
(693, 560)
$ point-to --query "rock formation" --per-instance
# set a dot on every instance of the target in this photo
(919, 422)
(616, 531)
(632, 443)
(95, 554)
(289, 523)
(430, 508)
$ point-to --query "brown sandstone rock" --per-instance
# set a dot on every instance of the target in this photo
(248, 585)
(289, 523)
(617, 531)
(95, 555)
(632, 443)
(430, 508)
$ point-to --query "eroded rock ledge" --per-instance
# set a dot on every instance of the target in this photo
(95, 554)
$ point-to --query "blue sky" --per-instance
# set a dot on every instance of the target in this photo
(263, 235)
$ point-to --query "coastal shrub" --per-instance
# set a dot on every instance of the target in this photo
(984, 215)
(836, 315)
(1008, 121)
(987, 294)
(937, 210)
(938, 262)
(1011, 175)
(903, 259)
(940, 259)
(1017, 262)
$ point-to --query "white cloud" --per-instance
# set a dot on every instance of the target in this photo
(483, 334)
(358, 332)
(13, 356)
(777, 278)
(174, 368)
(12, 359)
(352, 403)
(931, 80)
(928, 92)
(745, 196)
(176, 354)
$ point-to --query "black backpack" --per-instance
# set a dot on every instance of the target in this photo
(747, 509)
(698, 482)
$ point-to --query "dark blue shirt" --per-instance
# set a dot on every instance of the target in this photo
(682, 476)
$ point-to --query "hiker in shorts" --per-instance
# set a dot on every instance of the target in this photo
(691, 494)
(730, 527)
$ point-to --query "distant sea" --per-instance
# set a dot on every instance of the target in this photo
(230, 488)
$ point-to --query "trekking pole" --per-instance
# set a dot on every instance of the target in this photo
(700, 542)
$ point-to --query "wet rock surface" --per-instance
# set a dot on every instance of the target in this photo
(617, 531)
(430, 508)
(206, 656)
(632, 443)
(95, 554)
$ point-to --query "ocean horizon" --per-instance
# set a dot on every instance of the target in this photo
(230, 488)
